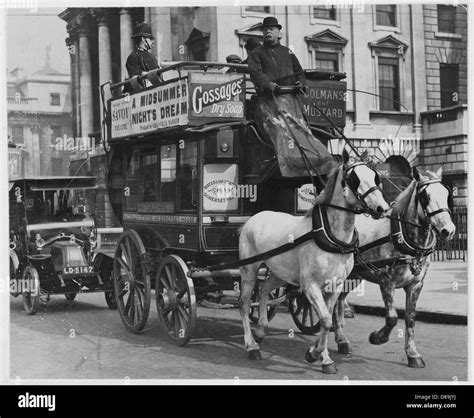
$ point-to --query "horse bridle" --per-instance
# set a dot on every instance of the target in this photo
(424, 200)
(352, 180)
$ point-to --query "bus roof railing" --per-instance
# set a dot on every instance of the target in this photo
(178, 66)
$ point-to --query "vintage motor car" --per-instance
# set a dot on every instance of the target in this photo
(53, 241)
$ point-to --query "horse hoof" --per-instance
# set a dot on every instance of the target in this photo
(348, 313)
(255, 355)
(257, 339)
(375, 339)
(329, 368)
(416, 362)
(344, 348)
(309, 357)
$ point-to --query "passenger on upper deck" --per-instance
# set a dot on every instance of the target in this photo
(141, 60)
(272, 64)
(249, 46)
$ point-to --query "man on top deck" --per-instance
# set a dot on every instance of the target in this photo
(272, 64)
(280, 118)
(141, 60)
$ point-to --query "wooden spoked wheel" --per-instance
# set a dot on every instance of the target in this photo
(303, 313)
(31, 291)
(132, 283)
(271, 309)
(175, 300)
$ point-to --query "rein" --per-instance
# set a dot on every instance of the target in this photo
(320, 233)
(401, 242)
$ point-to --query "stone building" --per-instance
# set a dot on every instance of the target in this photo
(39, 122)
(445, 120)
(390, 54)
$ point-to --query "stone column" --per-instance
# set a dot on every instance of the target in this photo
(418, 69)
(85, 79)
(160, 21)
(126, 42)
(34, 168)
(72, 43)
(362, 69)
(105, 53)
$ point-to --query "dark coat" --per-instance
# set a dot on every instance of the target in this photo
(274, 63)
(139, 61)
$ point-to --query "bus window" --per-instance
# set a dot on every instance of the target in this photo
(168, 173)
(131, 181)
(148, 174)
(187, 183)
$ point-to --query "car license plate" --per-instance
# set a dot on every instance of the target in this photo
(78, 270)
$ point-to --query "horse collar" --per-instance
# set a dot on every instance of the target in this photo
(323, 237)
(404, 244)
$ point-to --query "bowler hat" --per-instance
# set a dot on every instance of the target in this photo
(251, 44)
(143, 30)
(270, 21)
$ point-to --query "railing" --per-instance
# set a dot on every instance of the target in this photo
(22, 100)
(443, 115)
(456, 249)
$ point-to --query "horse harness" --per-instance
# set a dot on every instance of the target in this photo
(411, 250)
(320, 232)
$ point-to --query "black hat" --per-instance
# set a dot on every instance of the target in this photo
(143, 30)
(271, 21)
(251, 44)
(234, 59)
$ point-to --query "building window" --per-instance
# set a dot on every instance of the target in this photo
(328, 13)
(446, 19)
(326, 50)
(389, 84)
(327, 61)
(57, 132)
(198, 45)
(257, 9)
(386, 15)
(55, 99)
(17, 134)
(449, 74)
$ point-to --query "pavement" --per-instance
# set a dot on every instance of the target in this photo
(444, 298)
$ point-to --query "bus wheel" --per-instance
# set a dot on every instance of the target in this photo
(176, 300)
(132, 284)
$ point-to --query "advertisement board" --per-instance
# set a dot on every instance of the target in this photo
(216, 96)
(328, 97)
(149, 110)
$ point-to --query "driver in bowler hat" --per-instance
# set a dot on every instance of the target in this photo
(272, 64)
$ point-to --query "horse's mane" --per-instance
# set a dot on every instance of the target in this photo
(404, 198)
(327, 193)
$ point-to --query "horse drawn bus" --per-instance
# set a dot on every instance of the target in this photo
(207, 203)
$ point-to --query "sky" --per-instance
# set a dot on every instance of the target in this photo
(28, 33)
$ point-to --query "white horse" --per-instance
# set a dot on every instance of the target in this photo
(318, 273)
(403, 260)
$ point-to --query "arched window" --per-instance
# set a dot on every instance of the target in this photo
(399, 177)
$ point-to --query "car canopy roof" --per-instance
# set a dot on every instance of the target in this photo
(56, 182)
